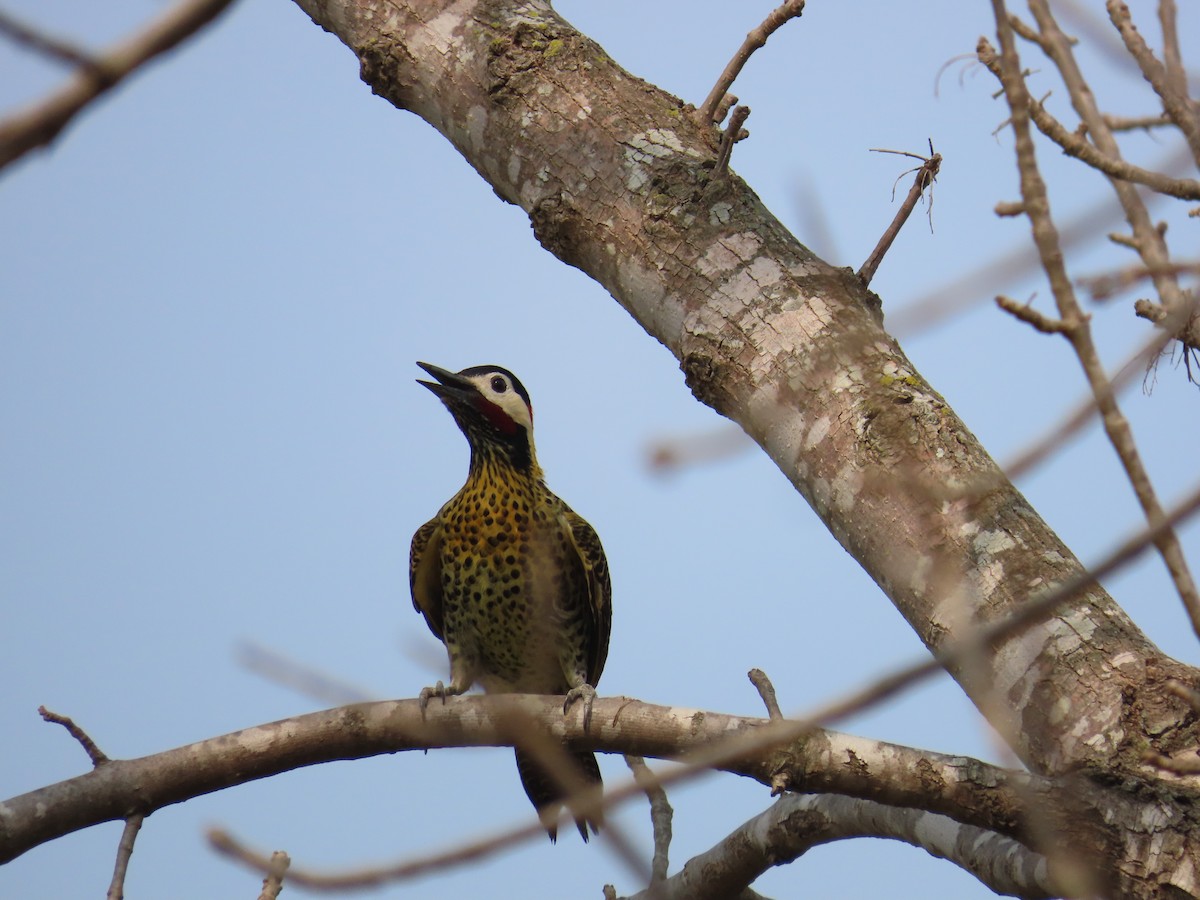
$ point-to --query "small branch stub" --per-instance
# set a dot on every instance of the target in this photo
(766, 691)
(95, 754)
(733, 133)
(1030, 316)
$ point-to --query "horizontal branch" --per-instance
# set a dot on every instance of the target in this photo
(821, 761)
(794, 825)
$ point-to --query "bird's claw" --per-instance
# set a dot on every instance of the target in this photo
(438, 690)
(587, 694)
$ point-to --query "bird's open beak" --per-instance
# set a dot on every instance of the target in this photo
(449, 385)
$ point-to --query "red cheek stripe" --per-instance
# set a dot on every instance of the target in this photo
(498, 417)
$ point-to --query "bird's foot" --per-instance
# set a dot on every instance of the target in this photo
(438, 690)
(587, 694)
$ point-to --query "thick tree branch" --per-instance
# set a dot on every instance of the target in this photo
(826, 761)
(796, 824)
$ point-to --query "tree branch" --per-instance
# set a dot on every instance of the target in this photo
(793, 825)
(41, 123)
(1075, 328)
(1168, 81)
(927, 174)
(121, 787)
(756, 38)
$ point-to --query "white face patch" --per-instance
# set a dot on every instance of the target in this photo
(497, 388)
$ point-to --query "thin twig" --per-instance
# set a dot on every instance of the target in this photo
(1103, 287)
(926, 175)
(54, 48)
(661, 815)
(1131, 123)
(1076, 144)
(116, 889)
(1037, 210)
(40, 123)
(984, 282)
(1030, 316)
(1165, 79)
(225, 843)
(1067, 425)
(299, 677)
(757, 37)
(273, 882)
(95, 754)
(672, 454)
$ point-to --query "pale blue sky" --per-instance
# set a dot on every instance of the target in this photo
(213, 291)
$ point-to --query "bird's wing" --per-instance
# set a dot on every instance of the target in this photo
(599, 606)
(425, 574)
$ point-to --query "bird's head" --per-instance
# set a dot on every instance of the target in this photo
(491, 407)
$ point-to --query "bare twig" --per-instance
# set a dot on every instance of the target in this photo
(95, 754)
(1076, 144)
(791, 9)
(1103, 287)
(926, 175)
(40, 123)
(1169, 81)
(969, 62)
(273, 882)
(984, 282)
(299, 677)
(225, 843)
(116, 888)
(733, 133)
(1131, 123)
(38, 42)
(668, 455)
(1031, 316)
(661, 815)
(1078, 417)
(766, 691)
(1037, 209)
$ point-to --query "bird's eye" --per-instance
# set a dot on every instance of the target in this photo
(499, 385)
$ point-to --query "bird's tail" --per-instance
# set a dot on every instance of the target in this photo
(546, 789)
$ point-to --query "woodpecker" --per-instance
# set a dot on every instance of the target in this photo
(510, 579)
